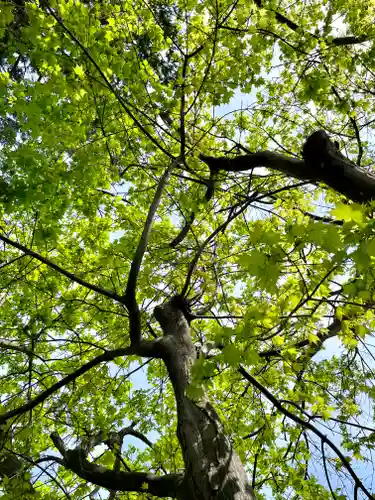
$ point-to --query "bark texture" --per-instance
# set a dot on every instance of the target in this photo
(213, 470)
(322, 162)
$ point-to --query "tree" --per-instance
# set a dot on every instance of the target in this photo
(146, 230)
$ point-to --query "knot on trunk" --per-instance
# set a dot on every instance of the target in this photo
(320, 151)
(174, 314)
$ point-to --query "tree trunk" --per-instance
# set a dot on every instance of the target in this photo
(213, 470)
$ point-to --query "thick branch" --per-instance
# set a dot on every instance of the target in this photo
(76, 461)
(322, 163)
(274, 161)
(147, 349)
(350, 40)
(130, 293)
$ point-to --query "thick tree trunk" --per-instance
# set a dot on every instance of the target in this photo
(213, 470)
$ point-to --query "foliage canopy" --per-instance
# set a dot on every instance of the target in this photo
(97, 101)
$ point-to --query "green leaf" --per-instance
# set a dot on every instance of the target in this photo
(79, 70)
(313, 338)
(278, 340)
(252, 357)
(232, 355)
(347, 212)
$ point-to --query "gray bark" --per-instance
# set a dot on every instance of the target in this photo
(322, 162)
(213, 470)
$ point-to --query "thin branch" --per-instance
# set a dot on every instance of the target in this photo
(352, 424)
(117, 466)
(18, 348)
(9, 262)
(328, 220)
(182, 110)
(105, 191)
(64, 272)
(184, 231)
(306, 425)
(206, 72)
(49, 458)
(147, 349)
(326, 471)
(130, 431)
(333, 329)
(45, 471)
(199, 252)
(105, 79)
(353, 121)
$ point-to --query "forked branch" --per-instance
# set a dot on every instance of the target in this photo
(76, 460)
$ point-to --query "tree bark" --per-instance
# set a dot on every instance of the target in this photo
(322, 162)
(213, 470)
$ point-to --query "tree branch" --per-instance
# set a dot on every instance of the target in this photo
(333, 329)
(342, 40)
(160, 486)
(68, 274)
(130, 431)
(184, 231)
(279, 17)
(322, 163)
(146, 349)
(130, 293)
(350, 40)
(201, 248)
(19, 348)
(105, 191)
(306, 425)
